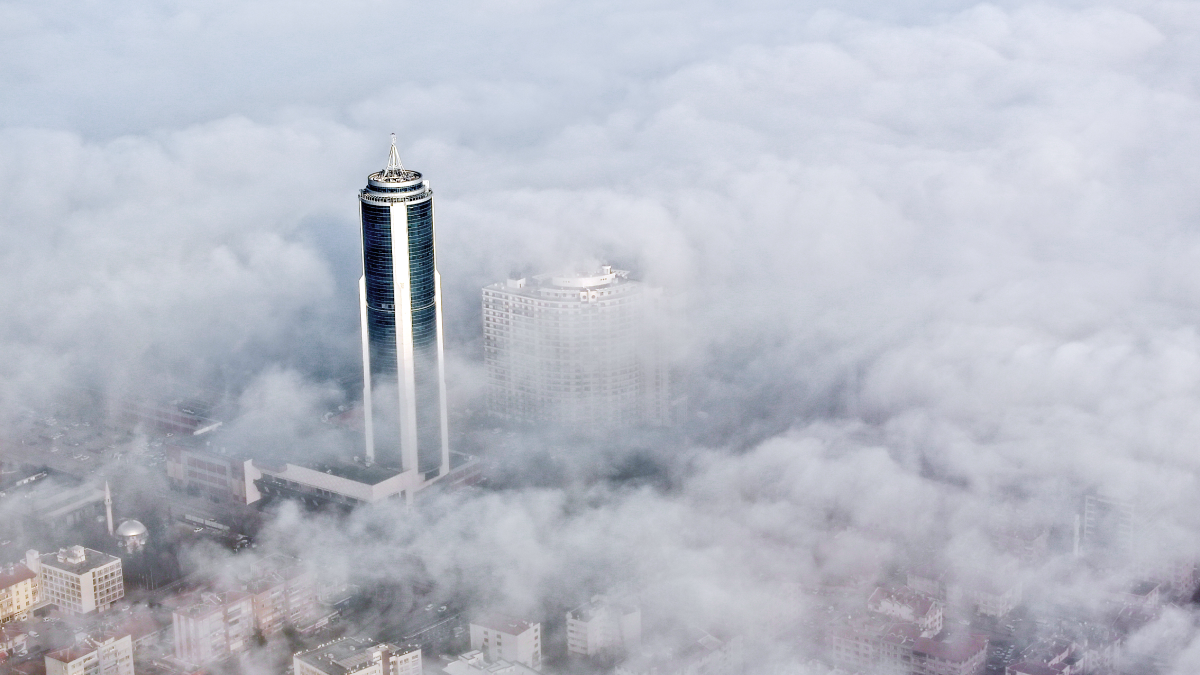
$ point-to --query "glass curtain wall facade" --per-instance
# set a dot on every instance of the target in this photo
(400, 297)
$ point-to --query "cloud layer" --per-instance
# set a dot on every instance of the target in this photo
(934, 263)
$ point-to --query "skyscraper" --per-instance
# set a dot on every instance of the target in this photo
(404, 394)
(574, 350)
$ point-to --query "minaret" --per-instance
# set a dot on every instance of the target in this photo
(404, 393)
(108, 508)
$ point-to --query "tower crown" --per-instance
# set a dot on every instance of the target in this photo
(394, 174)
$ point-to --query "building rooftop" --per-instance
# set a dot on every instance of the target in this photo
(503, 623)
(598, 605)
(919, 603)
(349, 654)
(359, 473)
(15, 574)
(72, 653)
(204, 604)
(20, 475)
(271, 571)
(956, 650)
(473, 663)
(77, 559)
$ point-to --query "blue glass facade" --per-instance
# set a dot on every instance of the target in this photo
(384, 349)
(381, 303)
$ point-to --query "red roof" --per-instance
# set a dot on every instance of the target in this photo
(69, 654)
(957, 650)
(15, 575)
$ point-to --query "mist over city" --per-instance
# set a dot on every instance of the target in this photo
(881, 318)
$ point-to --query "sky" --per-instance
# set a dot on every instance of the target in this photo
(932, 263)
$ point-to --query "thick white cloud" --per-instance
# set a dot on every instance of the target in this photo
(935, 261)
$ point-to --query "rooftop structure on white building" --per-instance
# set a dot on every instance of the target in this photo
(575, 350)
(358, 656)
(78, 580)
(474, 663)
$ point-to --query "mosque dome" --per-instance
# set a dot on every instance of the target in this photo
(131, 528)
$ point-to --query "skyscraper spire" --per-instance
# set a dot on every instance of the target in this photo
(394, 166)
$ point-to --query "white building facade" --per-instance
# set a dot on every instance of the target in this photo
(575, 350)
(213, 626)
(104, 656)
(503, 638)
(78, 580)
(601, 626)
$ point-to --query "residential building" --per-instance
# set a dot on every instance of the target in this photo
(212, 626)
(18, 592)
(504, 638)
(78, 580)
(868, 644)
(994, 591)
(111, 655)
(908, 605)
(575, 350)
(602, 626)
(13, 640)
(879, 644)
(358, 656)
(282, 593)
(404, 393)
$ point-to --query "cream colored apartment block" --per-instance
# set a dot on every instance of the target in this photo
(18, 592)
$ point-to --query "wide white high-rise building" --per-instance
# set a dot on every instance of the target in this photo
(578, 350)
(78, 580)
